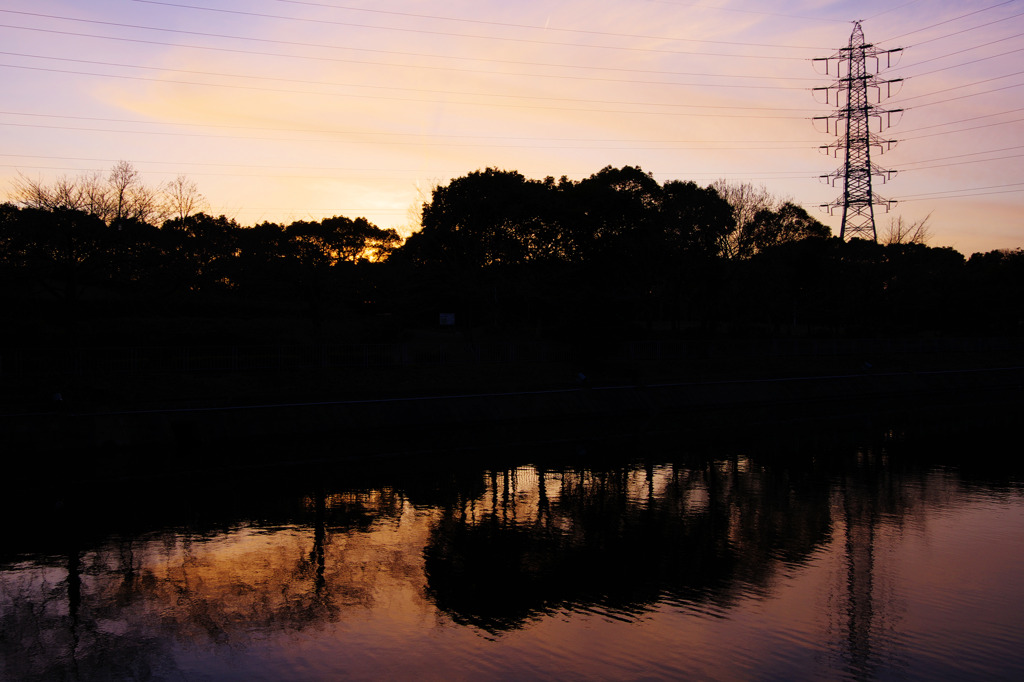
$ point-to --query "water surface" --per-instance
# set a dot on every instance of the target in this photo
(880, 551)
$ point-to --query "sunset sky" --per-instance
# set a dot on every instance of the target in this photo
(300, 109)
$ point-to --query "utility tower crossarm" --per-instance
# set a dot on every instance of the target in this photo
(852, 118)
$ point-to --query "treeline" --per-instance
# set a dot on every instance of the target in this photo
(196, 264)
(616, 252)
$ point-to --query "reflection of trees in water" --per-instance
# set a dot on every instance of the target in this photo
(52, 628)
(501, 548)
(116, 610)
(619, 539)
(623, 539)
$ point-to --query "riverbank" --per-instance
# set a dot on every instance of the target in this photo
(362, 419)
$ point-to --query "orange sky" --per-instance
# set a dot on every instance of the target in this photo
(292, 109)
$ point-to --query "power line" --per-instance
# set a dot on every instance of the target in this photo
(392, 87)
(470, 21)
(419, 31)
(968, 63)
(630, 146)
(975, 94)
(202, 174)
(963, 130)
(751, 11)
(961, 163)
(501, 24)
(418, 55)
(967, 189)
(204, 163)
(891, 9)
(773, 175)
(960, 156)
(961, 87)
(972, 118)
(419, 101)
(960, 196)
(948, 21)
(122, 126)
(444, 136)
(967, 30)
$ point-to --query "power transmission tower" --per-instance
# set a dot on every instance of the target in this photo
(855, 87)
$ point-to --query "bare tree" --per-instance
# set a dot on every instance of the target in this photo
(746, 200)
(122, 180)
(33, 193)
(182, 198)
(95, 195)
(130, 198)
(121, 195)
(899, 231)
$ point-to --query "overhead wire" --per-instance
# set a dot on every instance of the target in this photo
(966, 120)
(792, 174)
(960, 156)
(194, 72)
(545, 28)
(448, 57)
(900, 102)
(964, 130)
(959, 163)
(967, 30)
(565, 66)
(966, 189)
(418, 55)
(961, 64)
(330, 22)
(960, 196)
(948, 21)
(444, 136)
(974, 94)
(362, 173)
(429, 101)
(122, 131)
(741, 10)
(960, 86)
(891, 9)
(267, 40)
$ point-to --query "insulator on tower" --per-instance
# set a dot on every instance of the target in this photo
(857, 84)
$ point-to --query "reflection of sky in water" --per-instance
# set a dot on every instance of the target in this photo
(735, 569)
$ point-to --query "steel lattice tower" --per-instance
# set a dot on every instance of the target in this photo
(851, 123)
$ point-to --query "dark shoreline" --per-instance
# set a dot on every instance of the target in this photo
(374, 426)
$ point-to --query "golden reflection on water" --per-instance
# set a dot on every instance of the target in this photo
(723, 569)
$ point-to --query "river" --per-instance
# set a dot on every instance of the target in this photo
(868, 547)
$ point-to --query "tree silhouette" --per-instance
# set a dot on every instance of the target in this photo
(62, 248)
(486, 218)
(121, 195)
(182, 198)
(602, 257)
(787, 224)
(746, 199)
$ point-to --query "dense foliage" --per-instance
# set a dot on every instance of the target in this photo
(616, 252)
